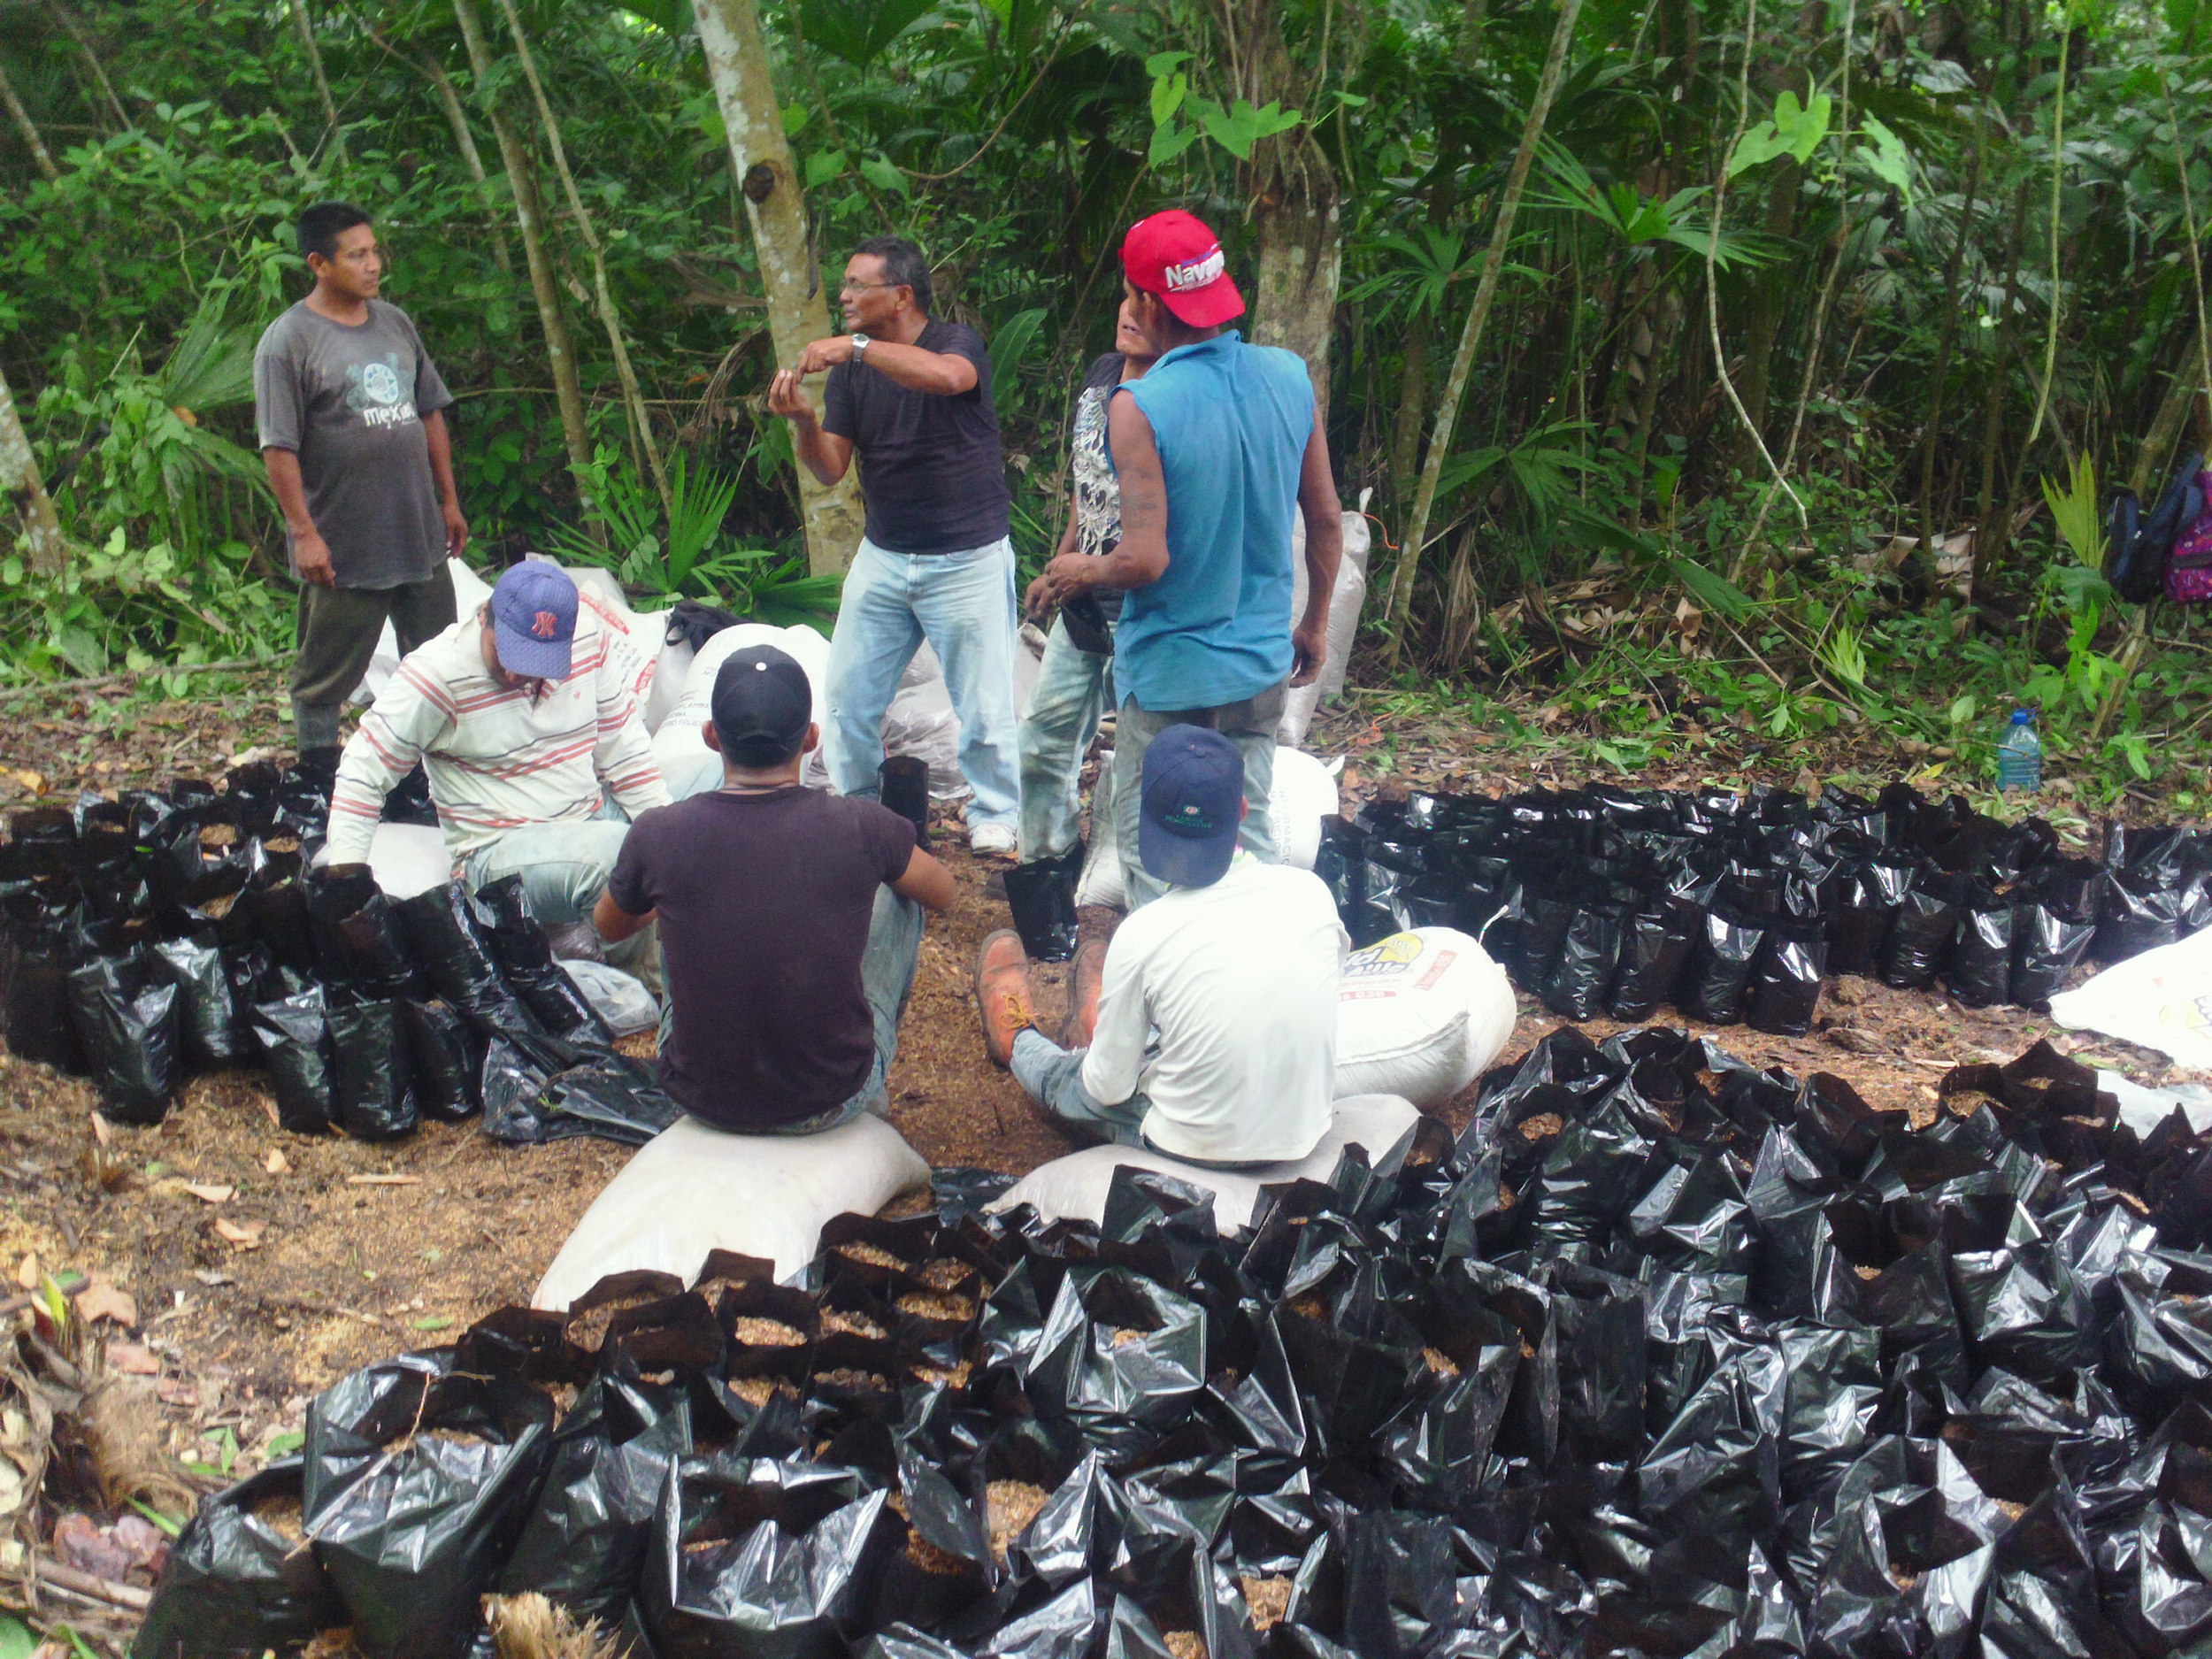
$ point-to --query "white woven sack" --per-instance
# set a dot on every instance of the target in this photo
(691, 1190)
(1076, 1186)
(1420, 1014)
(1303, 792)
(409, 858)
(678, 747)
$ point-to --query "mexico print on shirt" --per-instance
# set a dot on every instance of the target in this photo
(376, 390)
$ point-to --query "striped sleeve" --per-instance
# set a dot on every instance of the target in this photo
(624, 753)
(406, 719)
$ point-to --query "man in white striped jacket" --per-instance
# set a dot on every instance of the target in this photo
(525, 716)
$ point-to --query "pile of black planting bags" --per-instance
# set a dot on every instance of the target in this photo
(1663, 1356)
(148, 937)
(1733, 908)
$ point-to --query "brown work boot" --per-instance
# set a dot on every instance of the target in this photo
(1083, 979)
(1002, 994)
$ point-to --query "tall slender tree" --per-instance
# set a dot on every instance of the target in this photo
(43, 542)
(775, 208)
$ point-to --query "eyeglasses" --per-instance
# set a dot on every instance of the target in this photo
(862, 287)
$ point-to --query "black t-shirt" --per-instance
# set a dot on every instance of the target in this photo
(765, 902)
(930, 466)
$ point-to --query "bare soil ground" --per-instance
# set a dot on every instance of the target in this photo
(263, 1265)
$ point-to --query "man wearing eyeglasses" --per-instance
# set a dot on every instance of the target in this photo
(911, 395)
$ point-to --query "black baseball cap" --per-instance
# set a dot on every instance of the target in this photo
(1193, 800)
(761, 706)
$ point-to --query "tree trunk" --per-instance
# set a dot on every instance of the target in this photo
(2157, 450)
(1992, 528)
(1413, 391)
(609, 319)
(322, 82)
(28, 129)
(1302, 258)
(457, 119)
(1774, 290)
(1478, 315)
(26, 492)
(1949, 337)
(560, 353)
(737, 62)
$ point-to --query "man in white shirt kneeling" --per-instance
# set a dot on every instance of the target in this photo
(1210, 1032)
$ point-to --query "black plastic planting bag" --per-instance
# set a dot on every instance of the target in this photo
(128, 1027)
(749, 1557)
(39, 1024)
(584, 1545)
(446, 928)
(294, 1034)
(2139, 909)
(1041, 895)
(357, 938)
(1654, 945)
(1719, 969)
(613, 1097)
(372, 1079)
(448, 1060)
(1865, 904)
(1784, 991)
(1919, 939)
(242, 1579)
(419, 1481)
(213, 1034)
(1589, 956)
(518, 945)
(1980, 974)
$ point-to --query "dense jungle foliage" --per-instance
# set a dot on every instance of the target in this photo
(1820, 332)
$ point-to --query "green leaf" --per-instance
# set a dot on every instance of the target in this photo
(1008, 348)
(2074, 510)
(1801, 127)
(168, 1523)
(434, 1322)
(17, 1640)
(1759, 145)
(795, 115)
(1168, 93)
(822, 166)
(1886, 157)
(670, 17)
(1168, 142)
(884, 176)
(1162, 63)
(858, 30)
(1711, 590)
(285, 1445)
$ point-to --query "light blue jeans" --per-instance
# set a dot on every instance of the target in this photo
(1250, 724)
(564, 868)
(886, 978)
(963, 604)
(1074, 687)
(1053, 1077)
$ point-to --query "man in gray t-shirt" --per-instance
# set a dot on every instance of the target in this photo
(351, 413)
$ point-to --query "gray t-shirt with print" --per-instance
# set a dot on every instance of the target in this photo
(350, 401)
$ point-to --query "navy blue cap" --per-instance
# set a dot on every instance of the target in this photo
(1192, 804)
(534, 619)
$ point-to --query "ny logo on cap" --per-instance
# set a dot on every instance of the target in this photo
(545, 625)
(1198, 273)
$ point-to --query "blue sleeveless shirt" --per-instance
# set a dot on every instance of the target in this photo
(1231, 422)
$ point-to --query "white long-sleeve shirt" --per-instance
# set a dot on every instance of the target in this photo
(1219, 1002)
(498, 759)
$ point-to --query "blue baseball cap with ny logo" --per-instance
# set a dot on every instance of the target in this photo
(534, 619)
(1192, 804)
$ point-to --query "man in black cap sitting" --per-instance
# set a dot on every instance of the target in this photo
(790, 920)
(1213, 1035)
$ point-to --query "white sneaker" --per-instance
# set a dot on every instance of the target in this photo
(994, 839)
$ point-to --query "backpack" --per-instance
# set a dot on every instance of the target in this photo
(2189, 566)
(2137, 546)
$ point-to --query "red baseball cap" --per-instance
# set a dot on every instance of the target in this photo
(1175, 257)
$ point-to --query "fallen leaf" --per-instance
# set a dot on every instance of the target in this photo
(103, 1131)
(245, 1235)
(384, 1180)
(133, 1359)
(209, 1276)
(102, 1299)
(30, 781)
(276, 1163)
(210, 1191)
(435, 1322)
(27, 1273)
(174, 1391)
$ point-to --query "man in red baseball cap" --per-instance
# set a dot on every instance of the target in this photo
(1214, 448)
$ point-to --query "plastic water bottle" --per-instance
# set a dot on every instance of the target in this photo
(2020, 756)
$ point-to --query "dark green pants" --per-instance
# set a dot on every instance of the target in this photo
(337, 632)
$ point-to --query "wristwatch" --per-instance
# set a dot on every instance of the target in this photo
(860, 347)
